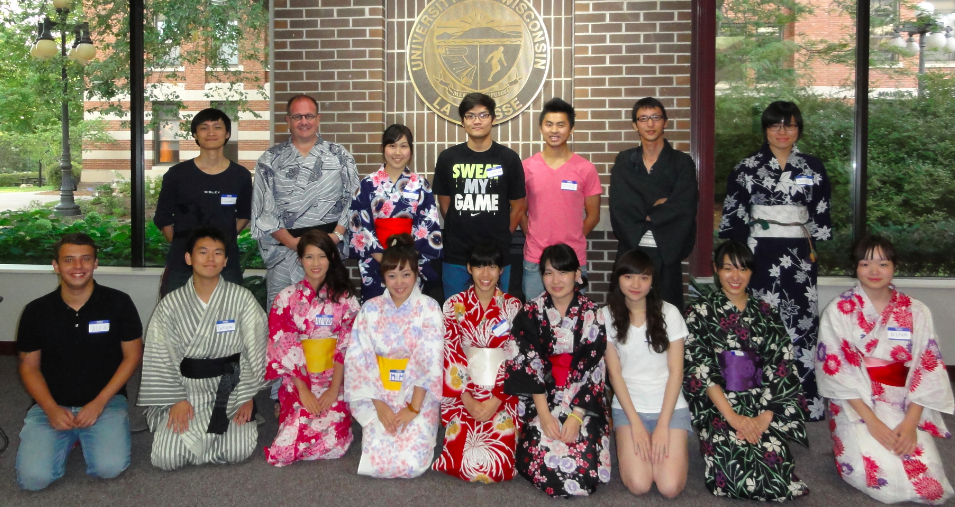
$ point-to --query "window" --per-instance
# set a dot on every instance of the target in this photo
(232, 147)
(166, 133)
(229, 46)
(173, 58)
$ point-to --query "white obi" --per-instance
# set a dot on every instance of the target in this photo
(483, 364)
(784, 213)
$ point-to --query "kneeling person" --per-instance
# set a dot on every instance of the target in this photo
(205, 360)
(78, 346)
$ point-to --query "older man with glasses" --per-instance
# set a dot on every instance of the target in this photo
(302, 184)
(653, 200)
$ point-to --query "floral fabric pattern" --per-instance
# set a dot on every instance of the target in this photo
(477, 451)
(734, 467)
(378, 197)
(413, 331)
(556, 468)
(293, 318)
(852, 331)
(785, 275)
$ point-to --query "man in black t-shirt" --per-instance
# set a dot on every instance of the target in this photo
(78, 346)
(209, 190)
(480, 188)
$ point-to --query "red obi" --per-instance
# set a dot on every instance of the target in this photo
(560, 368)
(388, 227)
(890, 373)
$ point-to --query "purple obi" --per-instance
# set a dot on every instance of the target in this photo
(742, 369)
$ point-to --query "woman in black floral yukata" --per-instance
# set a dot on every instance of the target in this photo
(558, 374)
(741, 384)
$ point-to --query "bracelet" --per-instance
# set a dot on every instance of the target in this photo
(575, 416)
(408, 405)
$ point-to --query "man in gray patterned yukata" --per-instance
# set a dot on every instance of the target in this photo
(302, 184)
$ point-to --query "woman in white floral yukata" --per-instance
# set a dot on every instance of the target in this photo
(309, 329)
(393, 200)
(394, 370)
(559, 376)
(777, 202)
(879, 363)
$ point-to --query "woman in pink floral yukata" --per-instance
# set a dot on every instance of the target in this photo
(878, 362)
(309, 329)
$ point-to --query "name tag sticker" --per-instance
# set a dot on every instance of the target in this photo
(495, 171)
(323, 320)
(900, 333)
(99, 326)
(224, 326)
(568, 185)
(229, 200)
(410, 194)
(804, 180)
(737, 353)
(500, 328)
(396, 375)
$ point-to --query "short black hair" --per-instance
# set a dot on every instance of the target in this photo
(474, 99)
(562, 258)
(739, 256)
(557, 105)
(486, 253)
(647, 103)
(288, 105)
(205, 231)
(866, 247)
(74, 238)
(395, 132)
(781, 112)
(211, 114)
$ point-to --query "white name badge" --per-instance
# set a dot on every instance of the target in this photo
(324, 320)
(224, 326)
(396, 375)
(804, 180)
(500, 328)
(229, 200)
(568, 185)
(495, 171)
(737, 353)
(99, 326)
(900, 333)
(410, 194)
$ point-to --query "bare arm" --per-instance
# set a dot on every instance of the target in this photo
(283, 237)
(592, 207)
(132, 358)
(240, 224)
(60, 417)
(167, 232)
(524, 220)
(518, 210)
(674, 382)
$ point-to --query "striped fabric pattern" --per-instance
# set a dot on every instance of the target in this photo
(179, 328)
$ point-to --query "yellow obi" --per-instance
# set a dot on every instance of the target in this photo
(319, 354)
(392, 372)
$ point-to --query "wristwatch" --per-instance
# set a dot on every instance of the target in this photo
(341, 237)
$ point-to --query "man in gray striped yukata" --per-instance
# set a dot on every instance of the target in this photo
(301, 184)
(204, 361)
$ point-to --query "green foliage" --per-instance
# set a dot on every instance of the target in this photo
(13, 179)
(259, 289)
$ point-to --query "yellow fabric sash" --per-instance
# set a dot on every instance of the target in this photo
(319, 354)
(392, 372)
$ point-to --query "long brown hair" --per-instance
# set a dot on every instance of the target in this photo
(337, 280)
(636, 262)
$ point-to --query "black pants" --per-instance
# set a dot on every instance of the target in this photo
(667, 278)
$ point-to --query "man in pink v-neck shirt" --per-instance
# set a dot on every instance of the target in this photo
(563, 195)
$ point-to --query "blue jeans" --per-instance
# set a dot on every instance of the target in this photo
(456, 278)
(41, 458)
(532, 285)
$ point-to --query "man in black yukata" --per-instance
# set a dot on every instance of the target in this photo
(653, 200)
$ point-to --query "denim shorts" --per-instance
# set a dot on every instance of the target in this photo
(680, 420)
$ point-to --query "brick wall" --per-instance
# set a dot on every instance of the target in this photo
(349, 55)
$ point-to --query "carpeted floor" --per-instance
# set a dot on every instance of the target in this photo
(335, 482)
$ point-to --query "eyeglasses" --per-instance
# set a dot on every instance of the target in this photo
(644, 119)
(776, 127)
(300, 117)
(482, 115)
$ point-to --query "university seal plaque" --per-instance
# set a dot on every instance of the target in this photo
(496, 47)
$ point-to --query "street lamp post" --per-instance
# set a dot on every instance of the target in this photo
(82, 52)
